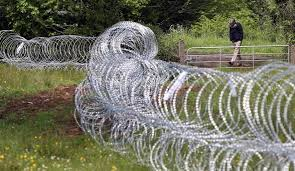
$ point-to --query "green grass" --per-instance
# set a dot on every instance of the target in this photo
(40, 141)
(32, 142)
(15, 82)
(203, 41)
(168, 44)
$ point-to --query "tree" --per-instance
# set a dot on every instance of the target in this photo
(282, 13)
(3, 20)
(33, 18)
(286, 10)
(132, 8)
(95, 16)
(171, 12)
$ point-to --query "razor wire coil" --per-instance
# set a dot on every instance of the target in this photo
(173, 117)
(45, 52)
(177, 117)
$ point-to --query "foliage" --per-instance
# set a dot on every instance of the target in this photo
(267, 21)
(95, 16)
(224, 8)
(165, 13)
(3, 20)
(168, 43)
(253, 30)
(287, 13)
(33, 18)
(214, 32)
(134, 6)
(281, 12)
(25, 17)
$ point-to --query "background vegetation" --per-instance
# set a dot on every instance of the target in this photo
(198, 22)
(36, 140)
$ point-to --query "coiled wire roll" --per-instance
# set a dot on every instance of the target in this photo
(45, 52)
(174, 117)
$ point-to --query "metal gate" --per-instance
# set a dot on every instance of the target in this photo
(252, 56)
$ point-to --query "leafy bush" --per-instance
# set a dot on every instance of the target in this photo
(254, 29)
(214, 32)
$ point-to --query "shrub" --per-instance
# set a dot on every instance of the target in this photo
(214, 32)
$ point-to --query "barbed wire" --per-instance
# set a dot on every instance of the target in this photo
(177, 117)
(45, 52)
(173, 117)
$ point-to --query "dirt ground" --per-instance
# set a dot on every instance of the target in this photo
(56, 99)
(30, 105)
(41, 101)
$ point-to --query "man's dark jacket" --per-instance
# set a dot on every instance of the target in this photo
(236, 32)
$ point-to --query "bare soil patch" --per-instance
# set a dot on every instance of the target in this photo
(41, 101)
(55, 99)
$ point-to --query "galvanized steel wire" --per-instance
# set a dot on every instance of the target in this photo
(45, 52)
(172, 117)
(177, 117)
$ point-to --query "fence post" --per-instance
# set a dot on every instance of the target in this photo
(292, 53)
(181, 52)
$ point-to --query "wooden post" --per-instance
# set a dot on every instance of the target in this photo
(292, 53)
(181, 52)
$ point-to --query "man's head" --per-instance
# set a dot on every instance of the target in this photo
(231, 22)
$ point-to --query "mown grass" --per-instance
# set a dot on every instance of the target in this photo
(40, 141)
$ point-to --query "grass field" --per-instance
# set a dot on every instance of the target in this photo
(38, 131)
(170, 41)
(36, 137)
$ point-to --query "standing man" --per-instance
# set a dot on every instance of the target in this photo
(236, 36)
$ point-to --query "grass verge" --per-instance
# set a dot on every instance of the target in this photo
(49, 138)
